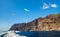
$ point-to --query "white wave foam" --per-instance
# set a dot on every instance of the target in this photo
(12, 34)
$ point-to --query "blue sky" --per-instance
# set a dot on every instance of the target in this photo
(18, 11)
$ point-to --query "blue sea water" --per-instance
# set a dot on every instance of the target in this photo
(40, 33)
(37, 33)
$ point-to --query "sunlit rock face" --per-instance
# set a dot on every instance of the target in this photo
(48, 23)
(11, 34)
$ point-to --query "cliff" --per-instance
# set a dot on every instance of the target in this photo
(48, 23)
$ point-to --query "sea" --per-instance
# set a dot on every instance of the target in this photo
(40, 33)
(37, 34)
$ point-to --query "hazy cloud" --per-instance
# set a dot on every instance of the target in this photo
(13, 14)
(45, 6)
(54, 5)
(25, 9)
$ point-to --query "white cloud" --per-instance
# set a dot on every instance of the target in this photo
(54, 5)
(45, 6)
(25, 9)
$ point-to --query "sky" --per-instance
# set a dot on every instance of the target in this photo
(20, 11)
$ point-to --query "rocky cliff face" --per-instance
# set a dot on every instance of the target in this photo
(51, 22)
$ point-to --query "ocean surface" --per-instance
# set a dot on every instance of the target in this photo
(35, 33)
(40, 33)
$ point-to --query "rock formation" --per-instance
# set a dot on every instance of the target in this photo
(48, 23)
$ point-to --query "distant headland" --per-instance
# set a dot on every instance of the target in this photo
(48, 23)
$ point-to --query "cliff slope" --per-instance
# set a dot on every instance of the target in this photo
(48, 23)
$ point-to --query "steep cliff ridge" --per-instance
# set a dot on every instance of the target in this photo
(48, 23)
